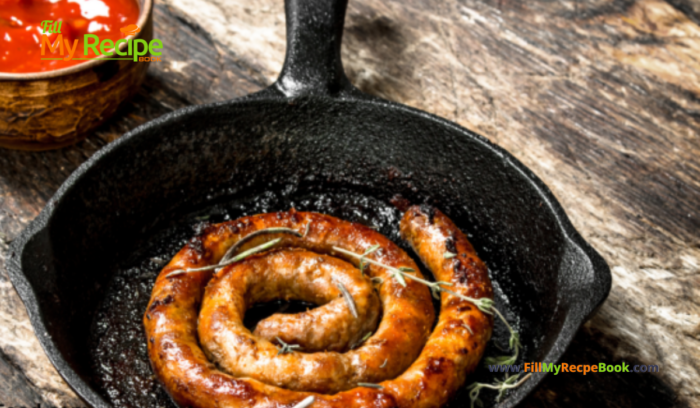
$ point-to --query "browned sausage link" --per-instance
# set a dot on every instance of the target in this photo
(298, 274)
(172, 329)
(451, 351)
(308, 276)
(458, 341)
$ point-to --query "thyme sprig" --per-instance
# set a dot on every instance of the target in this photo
(362, 340)
(370, 385)
(239, 257)
(400, 273)
(500, 386)
(275, 230)
(363, 263)
(513, 344)
(306, 402)
(286, 348)
(486, 305)
(228, 257)
(347, 296)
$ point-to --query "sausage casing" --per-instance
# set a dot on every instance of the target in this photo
(430, 365)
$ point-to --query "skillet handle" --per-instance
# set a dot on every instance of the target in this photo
(312, 65)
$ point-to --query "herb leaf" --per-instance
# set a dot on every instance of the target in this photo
(347, 296)
(306, 402)
(239, 257)
(370, 385)
(286, 348)
(485, 305)
(363, 263)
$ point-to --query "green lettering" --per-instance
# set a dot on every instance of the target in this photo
(155, 43)
(557, 367)
(116, 47)
(129, 48)
(138, 52)
(47, 26)
(625, 367)
(601, 367)
(93, 46)
(105, 47)
(547, 369)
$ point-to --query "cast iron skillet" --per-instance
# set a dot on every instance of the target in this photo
(310, 134)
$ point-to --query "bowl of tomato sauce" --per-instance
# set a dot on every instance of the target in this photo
(66, 66)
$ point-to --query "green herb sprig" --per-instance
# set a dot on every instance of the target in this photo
(286, 348)
(347, 296)
(306, 402)
(266, 231)
(239, 257)
(370, 385)
(228, 257)
(486, 305)
(500, 386)
(363, 263)
(362, 340)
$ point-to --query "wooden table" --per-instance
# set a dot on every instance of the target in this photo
(600, 98)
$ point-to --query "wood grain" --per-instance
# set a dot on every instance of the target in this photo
(14, 385)
(601, 99)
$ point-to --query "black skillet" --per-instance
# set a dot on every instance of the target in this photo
(310, 138)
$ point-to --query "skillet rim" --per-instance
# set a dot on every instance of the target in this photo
(599, 286)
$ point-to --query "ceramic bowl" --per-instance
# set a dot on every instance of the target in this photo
(53, 109)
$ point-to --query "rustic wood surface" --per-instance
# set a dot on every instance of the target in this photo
(600, 98)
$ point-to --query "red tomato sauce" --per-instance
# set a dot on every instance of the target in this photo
(21, 29)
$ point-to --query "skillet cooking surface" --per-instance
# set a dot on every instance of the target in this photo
(117, 344)
(83, 268)
(347, 158)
